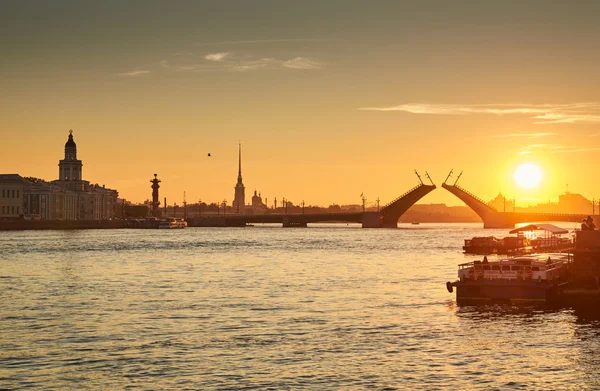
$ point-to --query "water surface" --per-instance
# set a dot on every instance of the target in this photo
(324, 307)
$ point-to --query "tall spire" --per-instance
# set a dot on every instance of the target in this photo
(239, 200)
(240, 164)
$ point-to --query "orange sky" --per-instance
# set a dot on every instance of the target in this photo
(329, 100)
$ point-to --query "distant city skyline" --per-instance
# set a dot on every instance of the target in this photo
(329, 99)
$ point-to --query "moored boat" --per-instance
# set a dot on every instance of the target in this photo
(526, 241)
(522, 279)
(172, 222)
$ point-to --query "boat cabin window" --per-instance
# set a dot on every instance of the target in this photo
(516, 268)
(495, 267)
(505, 267)
(535, 268)
(486, 267)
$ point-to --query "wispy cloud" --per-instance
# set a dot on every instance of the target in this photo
(555, 148)
(229, 62)
(134, 73)
(260, 41)
(540, 113)
(526, 135)
(217, 56)
(302, 63)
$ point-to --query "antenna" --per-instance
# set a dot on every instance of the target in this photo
(457, 178)
(419, 176)
(428, 177)
(450, 173)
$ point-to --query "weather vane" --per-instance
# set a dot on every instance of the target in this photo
(70, 131)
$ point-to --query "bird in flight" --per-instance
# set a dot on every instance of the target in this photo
(209, 155)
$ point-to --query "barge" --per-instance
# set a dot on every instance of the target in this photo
(527, 241)
(571, 278)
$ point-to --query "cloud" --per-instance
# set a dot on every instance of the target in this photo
(217, 56)
(134, 73)
(526, 135)
(541, 113)
(301, 63)
(226, 62)
(259, 41)
(555, 148)
(251, 65)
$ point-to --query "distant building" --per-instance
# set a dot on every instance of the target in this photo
(68, 198)
(574, 203)
(11, 196)
(502, 204)
(239, 199)
(94, 202)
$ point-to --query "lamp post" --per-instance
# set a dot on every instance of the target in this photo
(224, 207)
(302, 206)
(377, 204)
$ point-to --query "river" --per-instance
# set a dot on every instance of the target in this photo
(324, 307)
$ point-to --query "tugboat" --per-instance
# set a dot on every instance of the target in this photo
(522, 279)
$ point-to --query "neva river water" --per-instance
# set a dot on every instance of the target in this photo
(324, 307)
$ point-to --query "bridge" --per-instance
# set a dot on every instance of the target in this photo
(492, 218)
(386, 217)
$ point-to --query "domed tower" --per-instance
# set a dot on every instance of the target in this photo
(70, 169)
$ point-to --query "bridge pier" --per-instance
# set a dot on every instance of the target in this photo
(288, 223)
(372, 220)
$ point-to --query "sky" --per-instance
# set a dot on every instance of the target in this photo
(329, 99)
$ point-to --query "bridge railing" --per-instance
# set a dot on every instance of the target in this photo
(402, 196)
(475, 197)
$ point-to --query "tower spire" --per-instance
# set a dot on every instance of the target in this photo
(240, 164)
(239, 199)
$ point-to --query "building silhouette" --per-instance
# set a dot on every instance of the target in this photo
(69, 169)
(239, 199)
(67, 198)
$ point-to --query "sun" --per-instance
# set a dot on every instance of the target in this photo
(528, 175)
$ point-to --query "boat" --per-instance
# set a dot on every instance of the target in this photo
(526, 241)
(582, 289)
(172, 222)
(521, 279)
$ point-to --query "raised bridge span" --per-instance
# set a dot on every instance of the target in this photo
(492, 218)
(387, 217)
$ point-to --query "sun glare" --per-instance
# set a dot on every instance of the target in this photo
(528, 175)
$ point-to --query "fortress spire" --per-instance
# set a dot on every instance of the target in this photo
(239, 199)
(240, 164)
